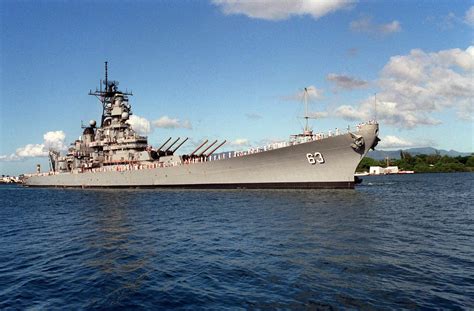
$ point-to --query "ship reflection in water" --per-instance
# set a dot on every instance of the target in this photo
(118, 262)
(380, 246)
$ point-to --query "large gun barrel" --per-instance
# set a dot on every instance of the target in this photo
(172, 144)
(200, 154)
(163, 144)
(180, 145)
(213, 150)
(200, 146)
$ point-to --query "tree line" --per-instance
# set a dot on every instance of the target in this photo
(423, 163)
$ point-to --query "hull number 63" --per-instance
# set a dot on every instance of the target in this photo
(317, 157)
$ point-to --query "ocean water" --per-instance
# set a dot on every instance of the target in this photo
(397, 242)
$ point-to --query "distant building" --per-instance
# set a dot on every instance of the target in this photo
(9, 179)
(378, 170)
(391, 170)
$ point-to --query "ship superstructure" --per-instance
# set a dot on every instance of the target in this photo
(112, 143)
(114, 155)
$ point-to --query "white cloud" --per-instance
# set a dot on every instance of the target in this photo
(349, 113)
(469, 17)
(280, 9)
(392, 27)
(51, 140)
(448, 21)
(54, 140)
(144, 127)
(268, 141)
(170, 123)
(318, 114)
(391, 113)
(9, 158)
(32, 150)
(140, 125)
(364, 24)
(395, 142)
(416, 85)
(240, 142)
(346, 82)
(312, 93)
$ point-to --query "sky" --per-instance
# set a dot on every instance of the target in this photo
(235, 70)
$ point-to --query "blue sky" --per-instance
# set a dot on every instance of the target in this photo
(233, 70)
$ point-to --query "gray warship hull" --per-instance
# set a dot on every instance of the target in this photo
(292, 166)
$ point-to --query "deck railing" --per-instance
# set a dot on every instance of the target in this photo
(216, 157)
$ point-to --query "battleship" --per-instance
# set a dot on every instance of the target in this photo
(113, 154)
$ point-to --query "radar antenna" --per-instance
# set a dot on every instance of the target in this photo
(106, 75)
(307, 130)
(107, 95)
(305, 99)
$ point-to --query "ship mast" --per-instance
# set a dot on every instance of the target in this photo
(106, 75)
(305, 99)
(307, 131)
(106, 96)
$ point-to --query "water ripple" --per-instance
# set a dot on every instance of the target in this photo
(398, 242)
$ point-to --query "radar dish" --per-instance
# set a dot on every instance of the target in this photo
(111, 83)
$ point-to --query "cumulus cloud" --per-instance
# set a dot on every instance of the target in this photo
(240, 142)
(318, 114)
(365, 24)
(349, 113)
(140, 125)
(51, 140)
(32, 150)
(346, 82)
(416, 85)
(389, 112)
(469, 17)
(171, 123)
(312, 93)
(395, 142)
(280, 10)
(54, 140)
(9, 158)
(144, 127)
(448, 21)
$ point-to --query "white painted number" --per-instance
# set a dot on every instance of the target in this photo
(315, 158)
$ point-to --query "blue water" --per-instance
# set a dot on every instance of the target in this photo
(401, 242)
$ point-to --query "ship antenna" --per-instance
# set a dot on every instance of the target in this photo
(106, 82)
(305, 98)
